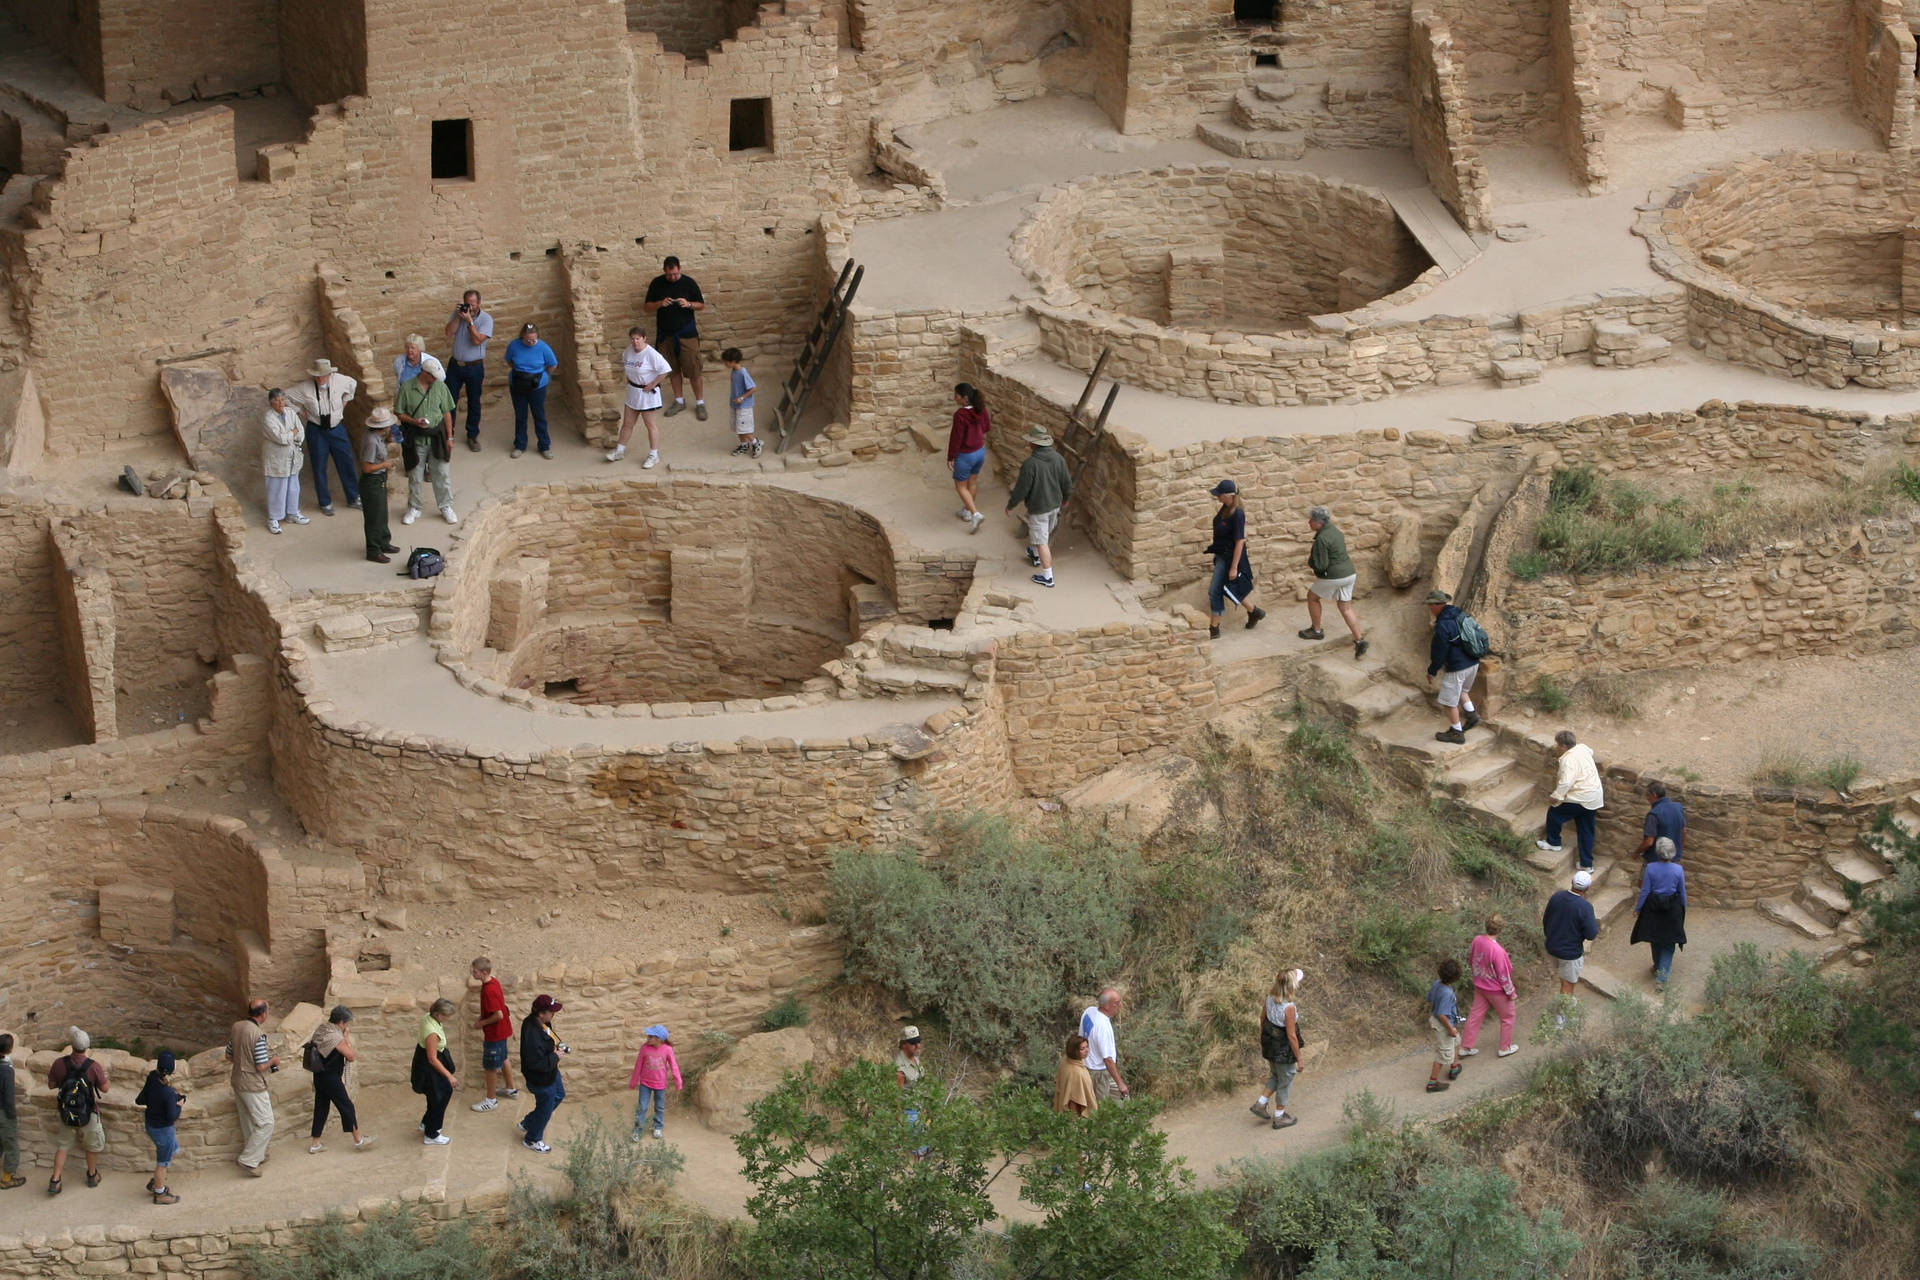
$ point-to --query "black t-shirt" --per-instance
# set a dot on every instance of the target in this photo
(676, 322)
(1227, 530)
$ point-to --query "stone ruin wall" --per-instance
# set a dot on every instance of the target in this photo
(1444, 128)
(1771, 55)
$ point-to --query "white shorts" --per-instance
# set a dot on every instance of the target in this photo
(1570, 969)
(644, 400)
(743, 420)
(1455, 683)
(1040, 526)
(1333, 588)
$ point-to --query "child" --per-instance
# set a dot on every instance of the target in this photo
(656, 1060)
(162, 1102)
(742, 402)
(1443, 1016)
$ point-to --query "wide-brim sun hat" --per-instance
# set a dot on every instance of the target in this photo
(1040, 436)
(321, 368)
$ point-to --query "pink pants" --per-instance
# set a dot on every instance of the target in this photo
(1502, 1006)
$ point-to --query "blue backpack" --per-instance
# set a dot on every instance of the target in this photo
(1473, 638)
(425, 562)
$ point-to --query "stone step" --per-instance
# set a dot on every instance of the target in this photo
(1518, 372)
(1376, 702)
(1471, 777)
(1247, 679)
(1346, 676)
(1514, 800)
(902, 679)
(1611, 902)
(1821, 900)
(1855, 868)
(1604, 981)
(1410, 731)
(1253, 144)
(1648, 350)
(1794, 917)
(1274, 86)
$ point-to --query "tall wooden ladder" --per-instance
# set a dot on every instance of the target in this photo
(1080, 437)
(812, 360)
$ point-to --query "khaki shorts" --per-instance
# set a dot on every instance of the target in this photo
(91, 1136)
(1445, 1044)
(1334, 588)
(1040, 527)
(1570, 969)
(683, 354)
(1455, 683)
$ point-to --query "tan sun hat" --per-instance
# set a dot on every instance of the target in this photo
(321, 368)
(1039, 436)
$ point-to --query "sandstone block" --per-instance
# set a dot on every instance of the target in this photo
(749, 1072)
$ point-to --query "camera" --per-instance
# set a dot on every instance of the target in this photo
(462, 308)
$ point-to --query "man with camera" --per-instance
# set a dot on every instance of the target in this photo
(469, 327)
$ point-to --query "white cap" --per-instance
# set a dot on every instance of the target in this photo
(430, 365)
(1582, 879)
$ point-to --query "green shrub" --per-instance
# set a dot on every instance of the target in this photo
(1390, 936)
(1321, 744)
(1906, 481)
(1841, 772)
(1678, 1232)
(1549, 696)
(400, 1244)
(1777, 1005)
(1492, 857)
(997, 932)
(1529, 566)
(788, 1013)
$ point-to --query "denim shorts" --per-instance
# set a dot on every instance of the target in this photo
(165, 1145)
(493, 1054)
(968, 465)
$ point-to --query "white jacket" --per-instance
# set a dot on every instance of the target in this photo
(1579, 779)
(285, 434)
(311, 400)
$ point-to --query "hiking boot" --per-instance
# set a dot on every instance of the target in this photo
(1285, 1120)
(678, 406)
(700, 410)
(1311, 633)
(11, 1180)
(1450, 735)
(165, 1197)
(1453, 1072)
(1260, 1109)
(1360, 648)
(1437, 1086)
(1472, 720)
(1213, 633)
(1254, 616)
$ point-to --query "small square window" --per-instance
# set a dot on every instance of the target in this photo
(750, 124)
(1263, 12)
(452, 150)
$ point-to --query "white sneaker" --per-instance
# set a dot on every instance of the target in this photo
(964, 514)
(413, 513)
(1508, 1052)
(541, 1147)
(653, 458)
(273, 526)
(616, 453)
(440, 1141)
(1469, 1053)
(297, 518)
(446, 513)
(487, 1104)
(1544, 847)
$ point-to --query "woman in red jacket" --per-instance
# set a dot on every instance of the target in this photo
(967, 450)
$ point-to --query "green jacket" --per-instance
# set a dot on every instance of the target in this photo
(1329, 558)
(1044, 482)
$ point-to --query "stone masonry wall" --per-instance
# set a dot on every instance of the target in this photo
(323, 49)
(1582, 128)
(1185, 58)
(1442, 125)
(1769, 55)
(160, 51)
(30, 638)
(1842, 591)
(1505, 52)
(1880, 56)
(690, 27)
(87, 636)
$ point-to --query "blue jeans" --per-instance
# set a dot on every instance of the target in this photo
(657, 1099)
(1582, 825)
(1223, 588)
(468, 377)
(1662, 960)
(535, 400)
(331, 442)
(545, 1098)
(165, 1145)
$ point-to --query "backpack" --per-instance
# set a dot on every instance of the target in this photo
(424, 562)
(75, 1099)
(1473, 638)
(310, 1058)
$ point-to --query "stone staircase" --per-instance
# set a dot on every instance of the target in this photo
(1481, 777)
(905, 660)
(1820, 907)
(1619, 345)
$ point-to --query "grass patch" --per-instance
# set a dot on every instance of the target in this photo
(788, 1013)
(1598, 525)
(1548, 695)
(1611, 695)
(1841, 772)
(1780, 768)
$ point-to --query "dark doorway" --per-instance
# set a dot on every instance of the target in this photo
(452, 150)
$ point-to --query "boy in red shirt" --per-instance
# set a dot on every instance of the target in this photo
(496, 1031)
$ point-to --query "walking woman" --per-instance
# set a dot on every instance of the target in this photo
(334, 1055)
(1660, 913)
(1492, 989)
(1280, 1045)
(1073, 1083)
(433, 1071)
(967, 450)
(1232, 571)
(162, 1103)
(280, 457)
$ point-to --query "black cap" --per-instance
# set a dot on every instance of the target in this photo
(1224, 487)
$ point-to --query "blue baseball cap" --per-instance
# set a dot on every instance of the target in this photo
(1224, 487)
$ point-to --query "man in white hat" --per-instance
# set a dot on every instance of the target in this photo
(425, 407)
(1045, 483)
(1568, 925)
(322, 397)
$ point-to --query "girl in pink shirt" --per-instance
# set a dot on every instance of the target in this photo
(650, 1071)
(1492, 988)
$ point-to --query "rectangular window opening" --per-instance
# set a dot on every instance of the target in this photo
(1266, 59)
(750, 124)
(1260, 11)
(452, 150)
(568, 688)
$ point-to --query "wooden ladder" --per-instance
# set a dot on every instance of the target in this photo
(812, 360)
(1080, 437)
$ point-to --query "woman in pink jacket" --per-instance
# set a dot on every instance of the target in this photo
(650, 1071)
(1492, 988)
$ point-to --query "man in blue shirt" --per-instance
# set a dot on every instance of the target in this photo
(1568, 925)
(1446, 654)
(1665, 817)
